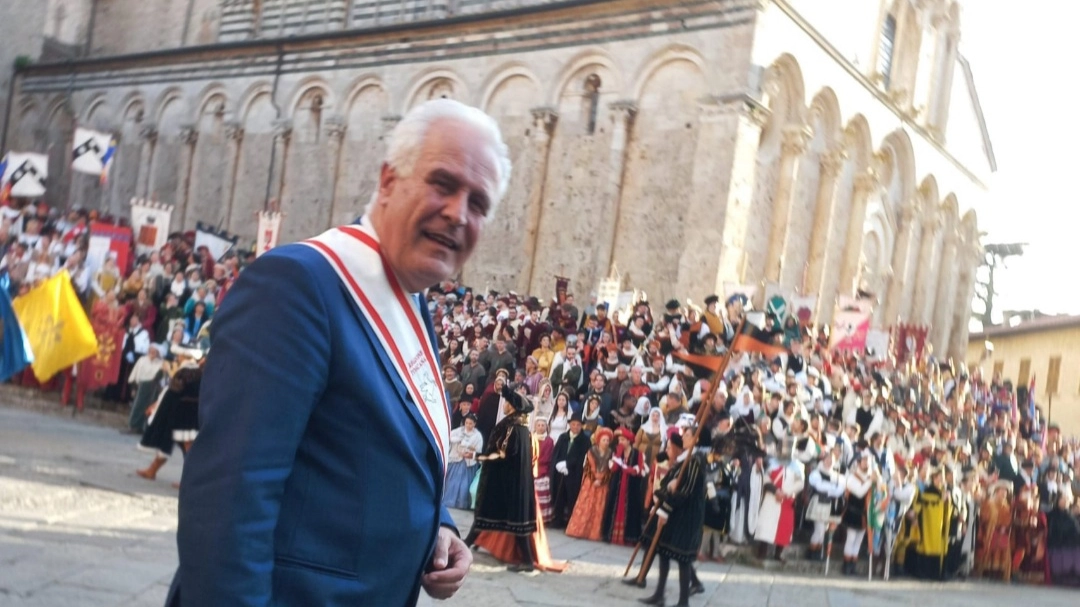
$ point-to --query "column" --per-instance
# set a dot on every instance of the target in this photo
(282, 130)
(865, 183)
(234, 139)
(334, 127)
(149, 135)
(946, 292)
(901, 252)
(742, 119)
(792, 147)
(189, 136)
(831, 162)
(623, 113)
(926, 273)
(544, 121)
(965, 293)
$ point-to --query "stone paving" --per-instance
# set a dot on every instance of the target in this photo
(78, 528)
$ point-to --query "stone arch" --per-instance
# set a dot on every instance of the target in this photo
(60, 127)
(30, 133)
(858, 143)
(165, 105)
(903, 168)
(928, 194)
(133, 102)
(824, 113)
(432, 84)
(207, 183)
(96, 110)
(784, 93)
(613, 81)
(509, 96)
(876, 257)
(499, 78)
(367, 104)
(309, 108)
(357, 87)
(256, 113)
(306, 87)
(658, 183)
(250, 96)
(673, 53)
(213, 99)
(970, 222)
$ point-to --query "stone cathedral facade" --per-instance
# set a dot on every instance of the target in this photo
(825, 146)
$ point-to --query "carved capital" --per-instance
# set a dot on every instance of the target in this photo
(544, 119)
(335, 127)
(282, 129)
(741, 104)
(831, 161)
(189, 134)
(148, 132)
(625, 109)
(234, 131)
(866, 181)
(794, 140)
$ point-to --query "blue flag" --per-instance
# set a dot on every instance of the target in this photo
(15, 352)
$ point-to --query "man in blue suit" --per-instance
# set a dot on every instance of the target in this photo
(317, 476)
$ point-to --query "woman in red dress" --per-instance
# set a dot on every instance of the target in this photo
(622, 514)
(588, 514)
(545, 447)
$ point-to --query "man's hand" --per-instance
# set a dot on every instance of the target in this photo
(449, 566)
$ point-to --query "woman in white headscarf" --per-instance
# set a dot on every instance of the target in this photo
(650, 438)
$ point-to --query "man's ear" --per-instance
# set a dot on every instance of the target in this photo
(388, 179)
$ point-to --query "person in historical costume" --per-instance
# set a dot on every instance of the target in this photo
(559, 420)
(995, 532)
(491, 408)
(105, 280)
(650, 437)
(776, 516)
(622, 513)
(175, 420)
(587, 520)
(1029, 536)
(146, 377)
(926, 530)
(591, 418)
(679, 518)
(543, 402)
(717, 506)
(826, 505)
(506, 496)
(901, 495)
(106, 316)
(860, 480)
(570, 452)
(466, 444)
(545, 449)
(135, 345)
(1063, 543)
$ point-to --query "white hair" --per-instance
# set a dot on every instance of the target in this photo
(408, 138)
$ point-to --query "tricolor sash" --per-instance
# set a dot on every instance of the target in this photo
(354, 253)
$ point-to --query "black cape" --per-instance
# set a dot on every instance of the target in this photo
(505, 495)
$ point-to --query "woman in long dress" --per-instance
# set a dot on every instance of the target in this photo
(926, 532)
(650, 437)
(545, 448)
(588, 516)
(465, 445)
(622, 513)
(543, 402)
(175, 420)
(560, 417)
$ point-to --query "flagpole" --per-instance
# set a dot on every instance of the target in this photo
(705, 408)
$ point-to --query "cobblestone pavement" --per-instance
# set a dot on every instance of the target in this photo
(78, 528)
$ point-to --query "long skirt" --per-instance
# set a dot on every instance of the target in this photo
(588, 518)
(543, 497)
(503, 546)
(1064, 566)
(144, 397)
(459, 478)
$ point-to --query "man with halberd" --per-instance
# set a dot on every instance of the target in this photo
(826, 502)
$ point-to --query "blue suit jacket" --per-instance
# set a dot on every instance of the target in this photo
(312, 482)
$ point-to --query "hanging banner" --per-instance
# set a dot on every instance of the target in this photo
(108, 239)
(802, 308)
(911, 341)
(608, 292)
(849, 330)
(269, 231)
(150, 222)
(219, 242)
(92, 151)
(562, 286)
(25, 175)
(849, 304)
(103, 368)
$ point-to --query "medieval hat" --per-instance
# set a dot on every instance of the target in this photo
(712, 299)
(601, 433)
(576, 417)
(627, 434)
(672, 304)
(674, 436)
(517, 401)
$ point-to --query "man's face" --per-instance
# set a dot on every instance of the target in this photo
(598, 382)
(575, 427)
(500, 346)
(474, 356)
(431, 219)
(571, 352)
(635, 375)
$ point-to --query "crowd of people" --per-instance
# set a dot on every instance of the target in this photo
(925, 465)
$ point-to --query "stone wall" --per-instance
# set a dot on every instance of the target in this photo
(683, 144)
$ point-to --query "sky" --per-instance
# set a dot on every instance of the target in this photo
(1021, 58)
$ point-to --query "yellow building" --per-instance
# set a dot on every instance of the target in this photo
(1047, 347)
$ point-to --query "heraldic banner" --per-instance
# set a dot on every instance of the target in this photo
(150, 221)
(269, 231)
(107, 239)
(103, 368)
(218, 242)
(92, 151)
(24, 174)
(56, 326)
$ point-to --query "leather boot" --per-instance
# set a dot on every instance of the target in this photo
(150, 472)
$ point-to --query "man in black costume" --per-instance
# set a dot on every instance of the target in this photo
(679, 519)
(569, 458)
(505, 498)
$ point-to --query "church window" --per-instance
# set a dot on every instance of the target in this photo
(885, 49)
(592, 102)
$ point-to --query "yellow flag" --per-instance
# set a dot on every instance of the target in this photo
(60, 334)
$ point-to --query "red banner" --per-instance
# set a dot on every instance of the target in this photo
(910, 341)
(103, 368)
(562, 285)
(120, 242)
(849, 330)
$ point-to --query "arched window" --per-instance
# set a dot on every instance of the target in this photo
(886, 45)
(592, 102)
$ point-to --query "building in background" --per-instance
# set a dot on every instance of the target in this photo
(823, 146)
(1048, 349)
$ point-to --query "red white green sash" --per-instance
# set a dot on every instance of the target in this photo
(354, 253)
